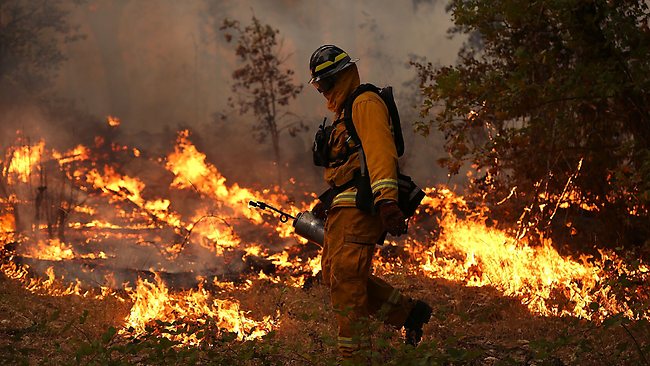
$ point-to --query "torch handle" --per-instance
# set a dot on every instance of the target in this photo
(284, 217)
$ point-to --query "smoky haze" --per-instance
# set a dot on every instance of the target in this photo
(159, 65)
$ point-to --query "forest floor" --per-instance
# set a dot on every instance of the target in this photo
(470, 326)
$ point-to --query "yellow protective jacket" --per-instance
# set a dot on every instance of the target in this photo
(371, 120)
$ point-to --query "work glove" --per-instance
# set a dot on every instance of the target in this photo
(320, 211)
(392, 218)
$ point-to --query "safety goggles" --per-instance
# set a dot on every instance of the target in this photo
(325, 84)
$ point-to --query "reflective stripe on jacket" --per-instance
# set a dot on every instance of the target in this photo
(371, 120)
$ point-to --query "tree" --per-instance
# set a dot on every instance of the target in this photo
(30, 34)
(549, 98)
(262, 85)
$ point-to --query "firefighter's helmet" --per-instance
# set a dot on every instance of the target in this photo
(324, 63)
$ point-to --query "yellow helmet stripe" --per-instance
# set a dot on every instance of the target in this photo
(329, 63)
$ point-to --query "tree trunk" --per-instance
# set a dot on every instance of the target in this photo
(61, 219)
(105, 27)
(275, 139)
(17, 219)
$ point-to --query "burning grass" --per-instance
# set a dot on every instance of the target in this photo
(153, 301)
(198, 268)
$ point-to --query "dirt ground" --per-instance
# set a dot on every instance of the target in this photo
(470, 326)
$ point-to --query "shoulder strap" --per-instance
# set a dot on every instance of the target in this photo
(386, 94)
(347, 109)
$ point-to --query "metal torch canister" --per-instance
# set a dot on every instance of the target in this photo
(310, 227)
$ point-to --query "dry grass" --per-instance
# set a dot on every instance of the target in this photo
(38, 329)
(471, 325)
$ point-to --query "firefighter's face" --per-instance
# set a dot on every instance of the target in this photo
(325, 84)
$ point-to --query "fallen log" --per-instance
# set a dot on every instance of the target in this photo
(96, 273)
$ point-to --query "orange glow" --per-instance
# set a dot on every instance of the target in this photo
(201, 220)
(23, 162)
(471, 253)
(79, 153)
(113, 121)
(153, 301)
(85, 210)
(192, 171)
(52, 250)
(130, 189)
(7, 227)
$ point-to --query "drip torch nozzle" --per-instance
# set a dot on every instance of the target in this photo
(255, 204)
(284, 217)
(305, 223)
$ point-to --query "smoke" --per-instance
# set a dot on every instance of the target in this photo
(158, 65)
(161, 66)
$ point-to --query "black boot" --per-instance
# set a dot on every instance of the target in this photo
(419, 315)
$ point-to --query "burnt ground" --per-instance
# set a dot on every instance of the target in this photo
(471, 326)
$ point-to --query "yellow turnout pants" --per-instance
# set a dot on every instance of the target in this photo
(350, 238)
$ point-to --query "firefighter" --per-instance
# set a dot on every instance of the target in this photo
(351, 233)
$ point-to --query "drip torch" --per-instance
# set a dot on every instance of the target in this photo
(305, 223)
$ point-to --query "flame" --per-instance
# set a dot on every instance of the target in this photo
(191, 171)
(56, 250)
(458, 247)
(49, 286)
(79, 153)
(113, 121)
(23, 162)
(51, 249)
(7, 227)
(128, 188)
(314, 264)
(254, 250)
(85, 210)
(469, 252)
(574, 197)
(153, 301)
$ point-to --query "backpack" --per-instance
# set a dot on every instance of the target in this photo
(409, 194)
(386, 94)
(321, 148)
